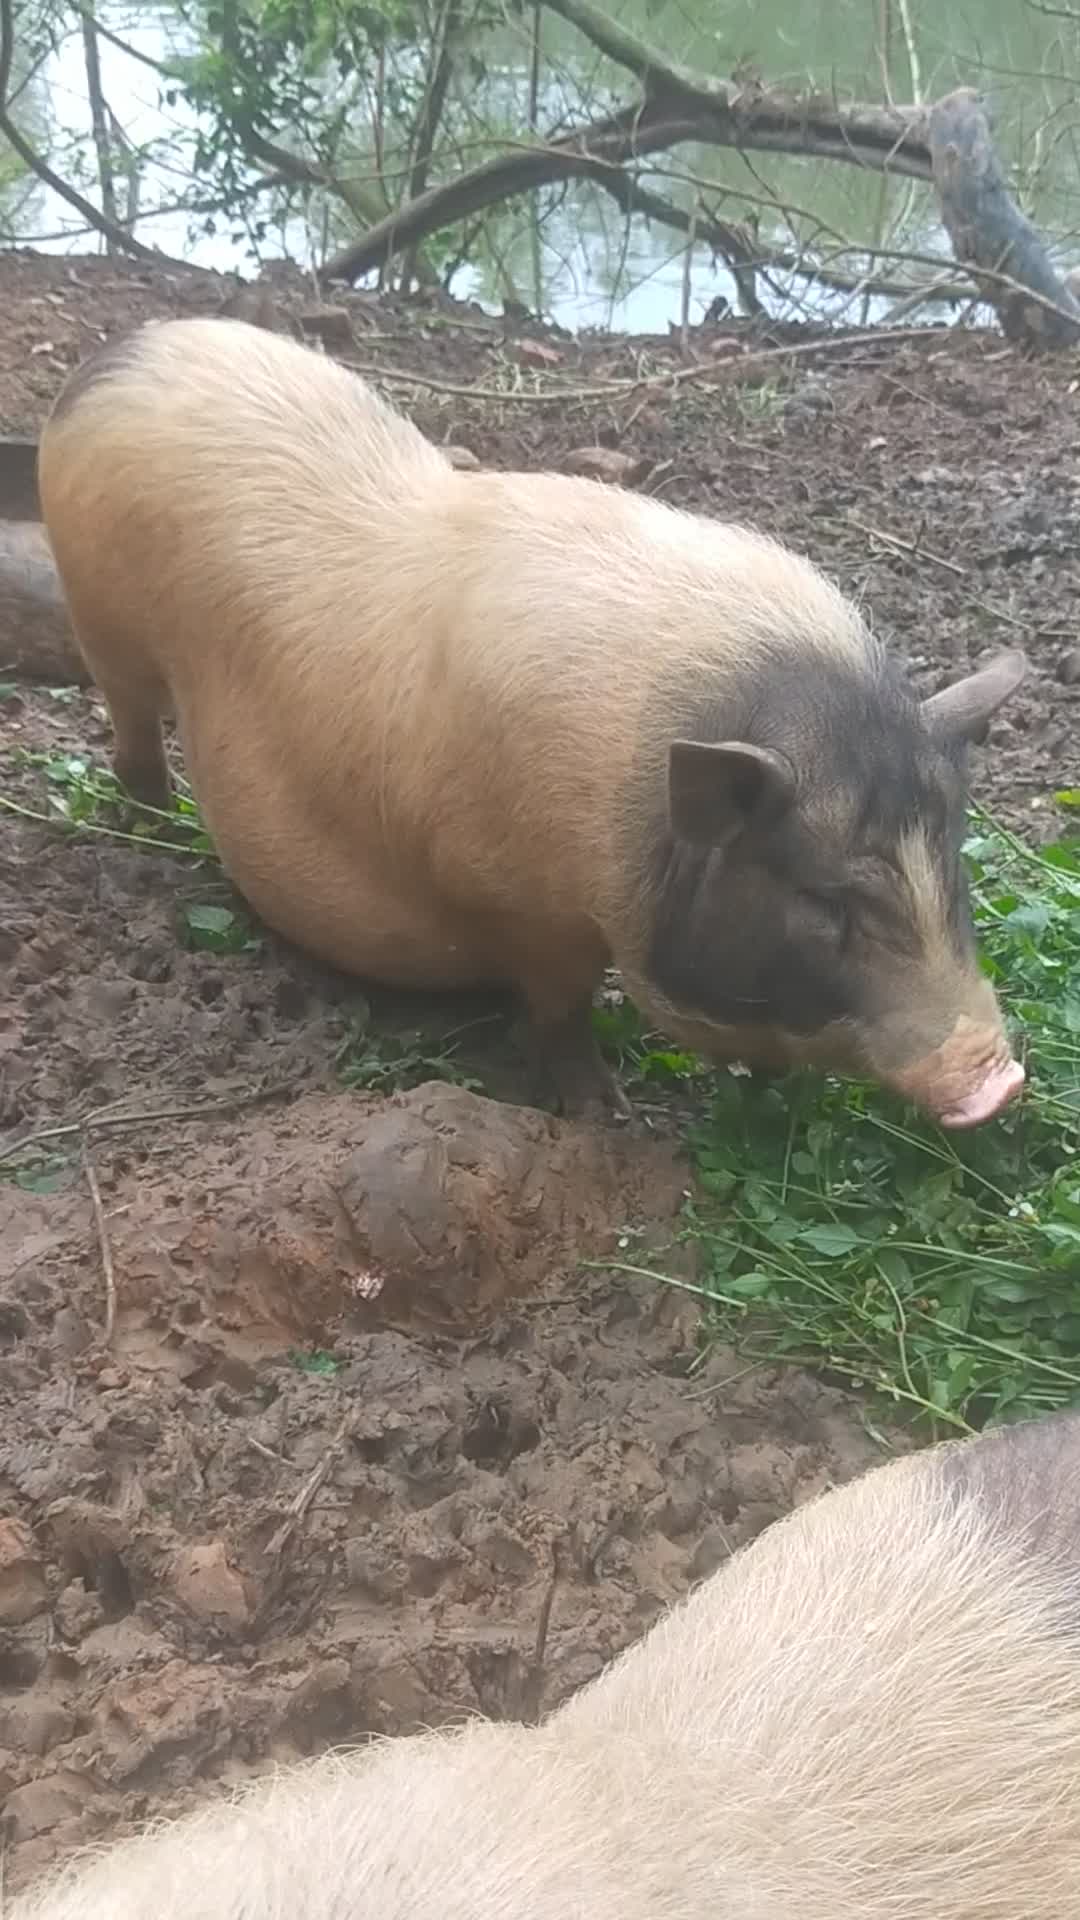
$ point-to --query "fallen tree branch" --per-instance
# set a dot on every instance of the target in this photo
(948, 145)
(753, 115)
(731, 242)
(603, 145)
(678, 105)
(988, 231)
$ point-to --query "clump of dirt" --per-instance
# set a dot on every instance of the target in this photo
(363, 1412)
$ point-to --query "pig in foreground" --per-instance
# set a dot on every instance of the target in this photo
(455, 729)
(872, 1713)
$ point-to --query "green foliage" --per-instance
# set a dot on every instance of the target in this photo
(837, 1228)
(318, 1361)
(393, 1062)
(89, 799)
(39, 1172)
(295, 73)
(643, 1059)
(214, 929)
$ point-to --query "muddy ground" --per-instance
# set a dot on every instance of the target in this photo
(361, 1412)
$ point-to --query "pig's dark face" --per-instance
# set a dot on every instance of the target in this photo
(811, 905)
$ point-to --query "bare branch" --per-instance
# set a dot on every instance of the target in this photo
(752, 115)
(165, 69)
(1055, 13)
(679, 105)
(588, 154)
(7, 50)
(99, 120)
(124, 242)
(430, 116)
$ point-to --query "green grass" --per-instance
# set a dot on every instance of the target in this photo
(832, 1225)
(835, 1228)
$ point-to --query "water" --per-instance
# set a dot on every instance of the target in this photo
(569, 251)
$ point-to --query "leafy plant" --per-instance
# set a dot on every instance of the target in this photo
(393, 1062)
(39, 1172)
(317, 1361)
(643, 1058)
(217, 929)
(90, 799)
(837, 1228)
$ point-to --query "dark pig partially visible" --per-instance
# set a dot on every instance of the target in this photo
(18, 478)
(451, 729)
(35, 629)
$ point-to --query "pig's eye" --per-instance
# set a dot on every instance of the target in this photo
(829, 911)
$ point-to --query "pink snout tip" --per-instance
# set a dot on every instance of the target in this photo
(988, 1099)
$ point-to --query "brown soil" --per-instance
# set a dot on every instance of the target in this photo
(362, 1405)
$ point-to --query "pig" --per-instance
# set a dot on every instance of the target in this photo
(458, 729)
(870, 1713)
(18, 478)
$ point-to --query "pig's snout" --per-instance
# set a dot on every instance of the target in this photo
(965, 1081)
(989, 1098)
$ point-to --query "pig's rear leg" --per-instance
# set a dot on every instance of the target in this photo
(135, 698)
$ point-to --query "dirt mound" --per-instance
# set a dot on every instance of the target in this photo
(430, 1209)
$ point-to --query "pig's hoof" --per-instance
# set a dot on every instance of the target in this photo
(567, 1062)
(146, 786)
(591, 1092)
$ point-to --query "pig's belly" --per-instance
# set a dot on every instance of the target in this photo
(358, 922)
(340, 899)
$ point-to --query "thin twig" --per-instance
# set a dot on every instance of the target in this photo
(282, 1539)
(951, 566)
(268, 1452)
(530, 1711)
(675, 376)
(102, 1119)
(907, 546)
(107, 1267)
(687, 281)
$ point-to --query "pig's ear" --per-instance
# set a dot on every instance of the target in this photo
(963, 712)
(716, 789)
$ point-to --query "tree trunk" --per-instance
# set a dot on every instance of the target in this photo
(989, 233)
